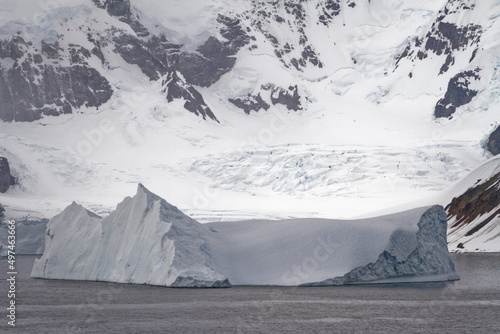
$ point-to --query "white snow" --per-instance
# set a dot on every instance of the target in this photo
(148, 241)
(365, 142)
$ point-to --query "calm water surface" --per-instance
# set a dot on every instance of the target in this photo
(471, 305)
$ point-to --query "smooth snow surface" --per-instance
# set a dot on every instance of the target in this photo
(146, 240)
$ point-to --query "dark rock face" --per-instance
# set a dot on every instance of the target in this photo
(288, 97)
(2, 210)
(6, 179)
(494, 142)
(37, 84)
(133, 51)
(215, 57)
(477, 201)
(51, 50)
(31, 88)
(176, 88)
(206, 68)
(159, 58)
(265, 15)
(121, 10)
(250, 103)
(457, 94)
(445, 38)
(329, 10)
(118, 7)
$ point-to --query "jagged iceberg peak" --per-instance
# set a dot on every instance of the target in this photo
(168, 212)
(75, 207)
(145, 240)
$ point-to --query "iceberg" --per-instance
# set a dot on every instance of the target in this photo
(29, 237)
(149, 241)
(145, 240)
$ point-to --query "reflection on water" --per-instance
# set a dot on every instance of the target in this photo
(471, 305)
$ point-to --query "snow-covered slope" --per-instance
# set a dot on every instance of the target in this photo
(474, 211)
(245, 109)
(148, 241)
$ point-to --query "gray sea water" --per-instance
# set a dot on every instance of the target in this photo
(471, 305)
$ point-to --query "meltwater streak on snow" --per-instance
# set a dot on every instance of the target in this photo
(148, 241)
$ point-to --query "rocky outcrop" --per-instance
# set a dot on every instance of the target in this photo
(445, 38)
(6, 179)
(474, 210)
(32, 87)
(494, 142)
(121, 9)
(36, 83)
(288, 97)
(158, 58)
(176, 88)
(134, 51)
(2, 210)
(250, 103)
(215, 57)
(269, 94)
(459, 93)
(329, 9)
(290, 16)
(481, 201)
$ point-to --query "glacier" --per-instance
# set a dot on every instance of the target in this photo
(149, 241)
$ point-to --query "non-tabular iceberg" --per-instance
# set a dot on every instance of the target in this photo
(148, 241)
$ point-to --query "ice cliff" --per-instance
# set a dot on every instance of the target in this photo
(145, 240)
(148, 241)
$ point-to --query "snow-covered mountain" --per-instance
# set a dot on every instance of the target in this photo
(474, 211)
(243, 108)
